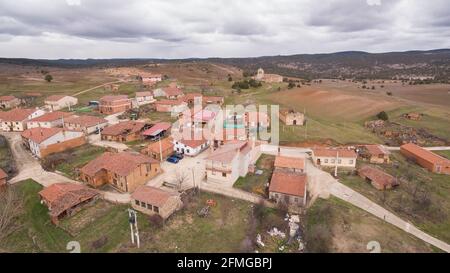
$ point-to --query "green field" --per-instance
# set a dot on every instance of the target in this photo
(257, 183)
(337, 226)
(76, 158)
(422, 197)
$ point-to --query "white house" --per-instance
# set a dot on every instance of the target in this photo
(85, 124)
(231, 161)
(45, 141)
(145, 97)
(190, 147)
(58, 102)
(16, 119)
(149, 79)
(49, 120)
(334, 157)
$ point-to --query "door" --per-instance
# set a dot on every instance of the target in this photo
(295, 122)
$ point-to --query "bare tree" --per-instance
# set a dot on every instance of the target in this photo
(9, 209)
(180, 178)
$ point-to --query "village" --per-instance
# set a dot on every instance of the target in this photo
(154, 165)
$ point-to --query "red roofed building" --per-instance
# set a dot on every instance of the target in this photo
(49, 120)
(151, 200)
(173, 92)
(124, 171)
(175, 106)
(332, 157)
(288, 188)
(158, 130)
(427, 159)
(85, 124)
(293, 164)
(45, 141)
(379, 179)
(66, 199)
(7, 102)
(160, 149)
(124, 131)
(16, 119)
(376, 154)
(150, 79)
(191, 146)
(144, 97)
(114, 104)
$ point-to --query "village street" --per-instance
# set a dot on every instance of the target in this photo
(321, 184)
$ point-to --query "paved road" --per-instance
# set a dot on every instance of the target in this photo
(439, 148)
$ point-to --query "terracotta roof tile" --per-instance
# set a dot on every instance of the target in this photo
(334, 152)
(144, 94)
(3, 175)
(166, 144)
(157, 127)
(52, 116)
(288, 183)
(152, 195)
(17, 114)
(124, 128)
(376, 150)
(424, 154)
(62, 196)
(289, 162)
(7, 98)
(38, 135)
(86, 121)
(377, 176)
(121, 163)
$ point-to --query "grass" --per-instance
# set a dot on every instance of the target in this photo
(333, 225)
(77, 158)
(422, 197)
(257, 183)
(224, 230)
(6, 157)
(445, 154)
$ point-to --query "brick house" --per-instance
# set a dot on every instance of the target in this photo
(144, 97)
(124, 131)
(151, 200)
(288, 188)
(58, 102)
(45, 141)
(114, 104)
(16, 119)
(377, 178)
(376, 154)
(7, 102)
(334, 157)
(66, 199)
(291, 117)
(124, 171)
(49, 120)
(159, 149)
(173, 92)
(427, 159)
(85, 124)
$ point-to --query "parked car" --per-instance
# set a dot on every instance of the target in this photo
(178, 155)
(173, 159)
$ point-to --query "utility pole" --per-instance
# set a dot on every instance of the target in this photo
(306, 123)
(132, 219)
(160, 149)
(336, 164)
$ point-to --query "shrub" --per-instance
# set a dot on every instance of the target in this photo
(156, 220)
(383, 116)
(48, 78)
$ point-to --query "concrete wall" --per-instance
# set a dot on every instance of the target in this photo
(173, 204)
(332, 162)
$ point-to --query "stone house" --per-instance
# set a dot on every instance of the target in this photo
(124, 131)
(7, 102)
(49, 120)
(151, 200)
(291, 117)
(85, 124)
(58, 102)
(288, 188)
(334, 157)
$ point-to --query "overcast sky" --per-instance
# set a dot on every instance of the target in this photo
(217, 28)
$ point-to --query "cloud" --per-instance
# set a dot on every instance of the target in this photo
(196, 28)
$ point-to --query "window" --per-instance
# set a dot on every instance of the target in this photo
(350, 161)
(144, 205)
(137, 202)
(332, 160)
(325, 161)
(188, 151)
(224, 174)
(296, 199)
(339, 161)
(156, 209)
(148, 167)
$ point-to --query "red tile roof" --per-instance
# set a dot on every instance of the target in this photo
(52, 116)
(17, 114)
(38, 135)
(3, 175)
(377, 176)
(155, 129)
(289, 162)
(7, 98)
(86, 121)
(166, 144)
(376, 150)
(152, 195)
(63, 196)
(192, 142)
(120, 163)
(228, 151)
(124, 128)
(288, 183)
(423, 154)
(172, 91)
(334, 152)
(113, 98)
(169, 102)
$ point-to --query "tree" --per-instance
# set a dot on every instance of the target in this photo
(9, 210)
(230, 79)
(291, 85)
(48, 78)
(180, 178)
(383, 116)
